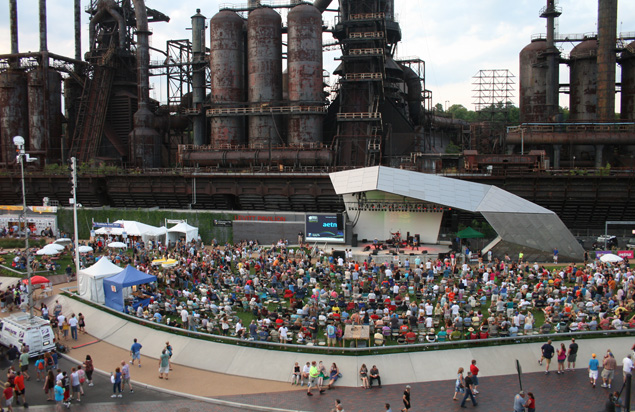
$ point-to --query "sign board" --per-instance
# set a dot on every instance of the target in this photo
(627, 254)
(109, 225)
(223, 223)
(324, 228)
(10, 207)
(44, 209)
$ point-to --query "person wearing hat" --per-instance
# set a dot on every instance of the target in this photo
(406, 399)
(593, 369)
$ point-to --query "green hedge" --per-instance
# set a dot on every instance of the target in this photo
(202, 219)
(18, 243)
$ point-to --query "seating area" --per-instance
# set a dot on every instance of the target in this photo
(293, 295)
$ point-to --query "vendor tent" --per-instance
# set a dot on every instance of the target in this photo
(132, 228)
(469, 233)
(91, 279)
(115, 287)
(182, 229)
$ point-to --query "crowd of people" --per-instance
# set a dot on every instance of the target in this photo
(308, 296)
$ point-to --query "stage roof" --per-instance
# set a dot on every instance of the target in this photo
(520, 224)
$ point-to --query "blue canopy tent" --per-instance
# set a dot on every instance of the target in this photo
(114, 286)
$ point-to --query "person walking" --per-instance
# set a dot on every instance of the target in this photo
(406, 399)
(608, 369)
(313, 379)
(49, 386)
(474, 369)
(75, 385)
(164, 365)
(469, 388)
(135, 351)
(547, 353)
(89, 368)
(519, 402)
(593, 369)
(19, 389)
(7, 396)
(24, 364)
(125, 376)
(459, 385)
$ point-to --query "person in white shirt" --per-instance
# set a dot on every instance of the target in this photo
(627, 366)
(283, 333)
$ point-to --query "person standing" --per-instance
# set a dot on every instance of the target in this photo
(59, 395)
(81, 324)
(125, 377)
(406, 399)
(519, 402)
(116, 383)
(75, 385)
(593, 369)
(313, 379)
(547, 353)
(531, 402)
(49, 386)
(135, 351)
(573, 353)
(562, 356)
(73, 322)
(164, 365)
(469, 390)
(627, 366)
(608, 372)
(474, 369)
(168, 348)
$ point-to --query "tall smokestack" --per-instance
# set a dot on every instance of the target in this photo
(198, 76)
(43, 40)
(13, 16)
(78, 29)
(607, 36)
(551, 12)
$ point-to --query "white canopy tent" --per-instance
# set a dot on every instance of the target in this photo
(91, 279)
(190, 232)
(132, 228)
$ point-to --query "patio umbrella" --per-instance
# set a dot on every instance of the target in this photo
(611, 258)
(54, 246)
(169, 263)
(48, 251)
(117, 245)
(63, 241)
(36, 280)
(84, 249)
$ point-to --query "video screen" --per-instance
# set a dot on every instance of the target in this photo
(325, 228)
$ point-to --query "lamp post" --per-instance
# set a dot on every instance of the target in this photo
(18, 141)
(74, 192)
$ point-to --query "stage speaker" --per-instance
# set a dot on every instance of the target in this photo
(401, 251)
(354, 240)
(384, 247)
(366, 248)
(339, 254)
(375, 252)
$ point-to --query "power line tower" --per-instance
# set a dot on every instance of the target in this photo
(493, 91)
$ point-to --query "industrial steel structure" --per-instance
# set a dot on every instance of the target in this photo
(252, 121)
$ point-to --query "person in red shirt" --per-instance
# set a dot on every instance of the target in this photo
(474, 370)
(18, 384)
(7, 396)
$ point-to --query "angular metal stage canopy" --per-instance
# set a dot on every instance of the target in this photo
(521, 225)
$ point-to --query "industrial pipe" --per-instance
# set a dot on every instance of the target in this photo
(577, 138)
(322, 5)
(13, 16)
(248, 157)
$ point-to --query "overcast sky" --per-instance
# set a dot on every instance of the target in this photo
(456, 38)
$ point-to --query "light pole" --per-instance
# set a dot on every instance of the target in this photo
(74, 192)
(18, 141)
(446, 105)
